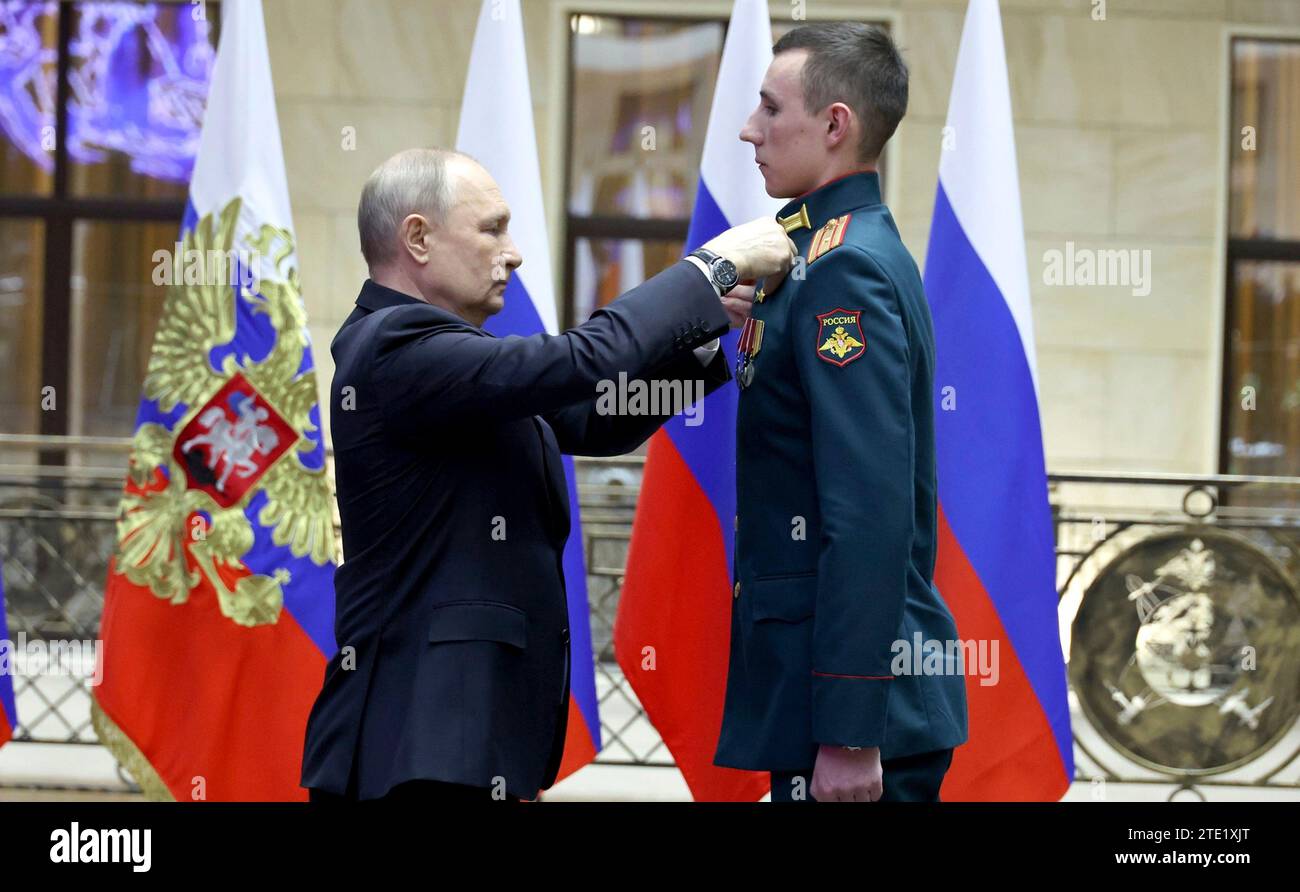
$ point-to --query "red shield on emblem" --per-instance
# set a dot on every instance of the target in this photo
(839, 336)
(231, 442)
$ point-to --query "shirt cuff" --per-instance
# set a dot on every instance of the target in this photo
(705, 352)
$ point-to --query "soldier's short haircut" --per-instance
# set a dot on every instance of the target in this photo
(414, 181)
(858, 65)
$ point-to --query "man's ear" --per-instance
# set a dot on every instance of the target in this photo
(416, 236)
(839, 123)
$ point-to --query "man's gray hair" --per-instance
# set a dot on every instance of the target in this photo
(414, 181)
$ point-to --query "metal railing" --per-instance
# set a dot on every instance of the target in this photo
(57, 532)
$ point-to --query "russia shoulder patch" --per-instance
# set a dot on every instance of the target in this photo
(829, 236)
(839, 336)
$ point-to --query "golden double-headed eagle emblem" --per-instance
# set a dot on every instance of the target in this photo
(243, 432)
(840, 343)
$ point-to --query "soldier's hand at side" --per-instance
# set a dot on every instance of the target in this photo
(738, 302)
(842, 775)
(758, 248)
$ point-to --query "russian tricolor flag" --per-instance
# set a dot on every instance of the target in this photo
(8, 709)
(496, 127)
(996, 563)
(672, 636)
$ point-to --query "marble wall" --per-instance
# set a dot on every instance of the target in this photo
(1121, 128)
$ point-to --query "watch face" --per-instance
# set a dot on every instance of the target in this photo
(724, 273)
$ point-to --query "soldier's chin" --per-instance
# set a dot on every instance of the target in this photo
(773, 188)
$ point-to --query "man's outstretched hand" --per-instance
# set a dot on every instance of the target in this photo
(758, 248)
(842, 775)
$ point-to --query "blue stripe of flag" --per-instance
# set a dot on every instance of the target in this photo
(10, 708)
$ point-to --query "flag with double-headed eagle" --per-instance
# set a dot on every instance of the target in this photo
(218, 611)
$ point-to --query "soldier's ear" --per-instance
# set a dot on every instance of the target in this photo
(839, 123)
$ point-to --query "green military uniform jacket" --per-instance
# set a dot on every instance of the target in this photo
(836, 500)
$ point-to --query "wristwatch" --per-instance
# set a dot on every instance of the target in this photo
(721, 270)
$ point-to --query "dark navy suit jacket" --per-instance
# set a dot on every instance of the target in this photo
(451, 615)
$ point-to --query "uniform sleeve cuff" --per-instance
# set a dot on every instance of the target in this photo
(850, 710)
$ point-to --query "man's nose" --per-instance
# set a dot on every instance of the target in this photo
(511, 256)
(749, 133)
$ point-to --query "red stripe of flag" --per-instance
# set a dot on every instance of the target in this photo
(1006, 760)
(672, 635)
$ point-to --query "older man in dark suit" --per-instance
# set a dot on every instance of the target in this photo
(452, 678)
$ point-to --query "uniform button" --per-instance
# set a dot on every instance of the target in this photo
(737, 594)
(737, 523)
(564, 635)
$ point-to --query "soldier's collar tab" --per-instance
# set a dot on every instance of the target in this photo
(796, 221)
